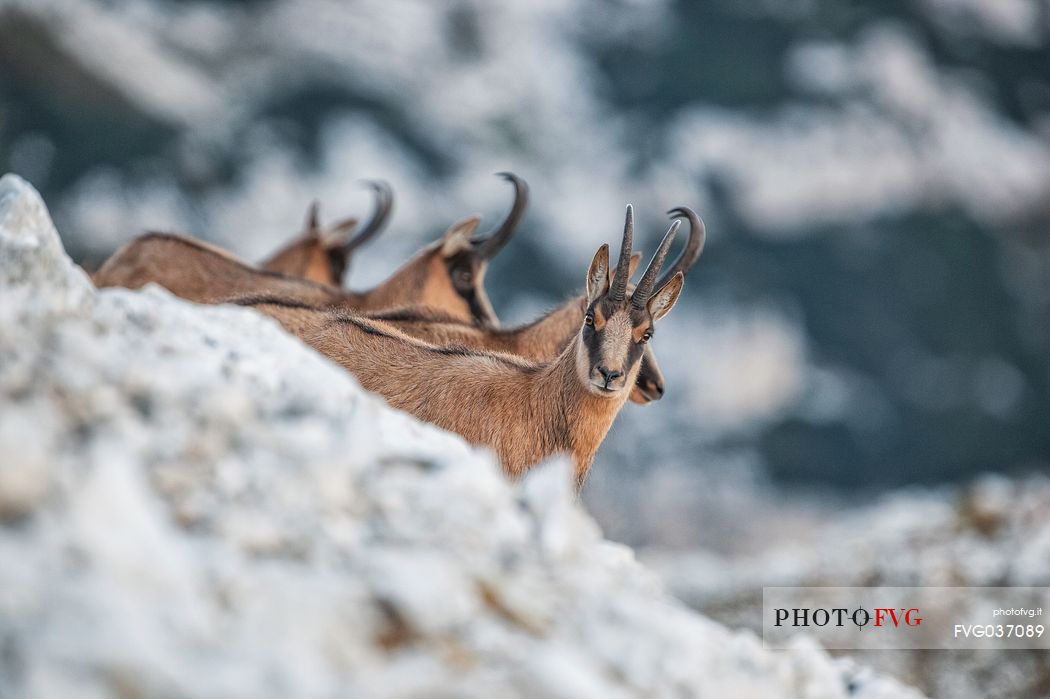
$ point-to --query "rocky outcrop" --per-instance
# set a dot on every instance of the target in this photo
(194, 504)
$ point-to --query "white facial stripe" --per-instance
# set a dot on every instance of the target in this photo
(616, 338)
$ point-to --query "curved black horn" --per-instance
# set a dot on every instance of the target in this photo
(645, 286)
(693, 247)
(486, 247)
(384, 205)
(623, 268)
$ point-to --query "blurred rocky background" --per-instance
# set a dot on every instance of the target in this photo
(872, 312)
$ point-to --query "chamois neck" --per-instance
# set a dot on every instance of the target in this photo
(585, 417)
(546, 336)
(292, 259)
(563, 321)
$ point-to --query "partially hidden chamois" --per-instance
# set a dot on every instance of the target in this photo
(525, 411)
(448, 273)
(323, 254)
(541, 340)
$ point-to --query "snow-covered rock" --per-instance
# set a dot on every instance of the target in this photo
(193, 504)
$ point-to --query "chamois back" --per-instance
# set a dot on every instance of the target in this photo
(200, 272)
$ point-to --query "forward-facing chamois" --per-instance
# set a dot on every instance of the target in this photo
(525, 411)
(448, 273)
(323, 254)
(541, 341)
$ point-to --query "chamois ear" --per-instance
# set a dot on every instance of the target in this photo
(665, 298)
(338, 234)
(598, 274)
(457, 238)
(636, 259)
(311, 226)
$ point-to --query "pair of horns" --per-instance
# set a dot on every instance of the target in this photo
(485, 246)
(380, 217)
(686, 259)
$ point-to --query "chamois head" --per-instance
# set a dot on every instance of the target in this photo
(650, 383)
(618, 324)
(323, 254)
(454, 274)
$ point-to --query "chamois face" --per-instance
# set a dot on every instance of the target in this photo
(618, 323)
(450, 274)
(649, 385)
(462, 273)
(451, 277)
(616, 328)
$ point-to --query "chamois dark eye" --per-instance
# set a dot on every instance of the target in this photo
(648, 335)
(464, 276)
(588, 320)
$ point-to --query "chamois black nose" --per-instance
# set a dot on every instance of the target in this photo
(609, 376)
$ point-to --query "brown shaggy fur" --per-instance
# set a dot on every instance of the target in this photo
(526, 411)
(200, 272)
(197, 271)
(309, 257)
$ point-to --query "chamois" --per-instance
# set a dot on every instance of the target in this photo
(448, 273)
(525, 411)
(541, 341)
(323, 254)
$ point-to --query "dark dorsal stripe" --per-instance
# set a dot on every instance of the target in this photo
(444, 350)
(417, 315)
(280, 301)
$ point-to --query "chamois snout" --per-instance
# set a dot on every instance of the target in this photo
(650, 389)
(649, 386)
(608, 379)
